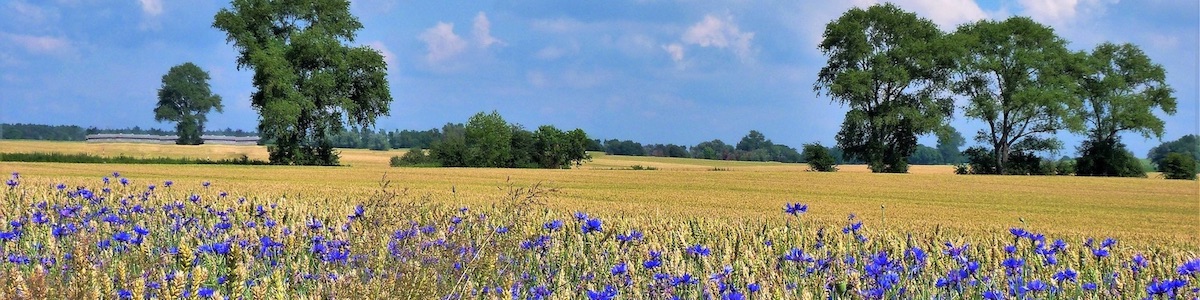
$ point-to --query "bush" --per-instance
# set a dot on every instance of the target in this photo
(1107, 157)
(819, 159)
(642, 168)
(414, 158)
(1178, 166)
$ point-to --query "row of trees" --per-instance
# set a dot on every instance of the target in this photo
(20, 131)
(752, 147)
(899, 75)
(487, 141)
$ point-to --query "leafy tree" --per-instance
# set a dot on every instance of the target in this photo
(524, 148)
(890, 67)
(308, 82)
(1178, 166)
(185, 98)
(1014, 76)
(949, 141)
(1121, 88)
(753, 141)
(819, 159)
(715, 149)
(489, 141)
(1188, 145)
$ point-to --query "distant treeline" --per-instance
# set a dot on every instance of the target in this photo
(20, 131)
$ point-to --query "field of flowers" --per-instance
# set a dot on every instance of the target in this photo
(118, 237)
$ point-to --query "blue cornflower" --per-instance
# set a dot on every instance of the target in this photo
(124, 181)
(1108, 242)
(1013, 263)
(608, 293)
(168, 183)
(1100, 252)
(60, 186)
(501, 229)
(1089, 286)
(698, 250)
(592, 225)
(796, 255)
(553, 225)
(1018, 232)
(1189, 268)
(1066, 275)
(753, 287)
(122, 236)
(194, 198)
(1010, 249)
(314, 224)
(620, 268)
(992, 295)
(634, 235)
(11, 183)
(206, 184)
(795, 209)
(39, 217)
(654, 261)
(205, 292)
(150, 187)
(1138, 263)
(124, 294)
(455, 220)
(684, 279)
(1035, 285)
(581, 216)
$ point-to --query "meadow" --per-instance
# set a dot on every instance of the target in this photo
(689, 228)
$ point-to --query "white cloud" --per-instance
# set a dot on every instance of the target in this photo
(442, 43)
(482, 30)
(151, 7)
(39, 44)
(719, 33)
(1062, 11)
(675, 50)
(31, 13)
(388, 56)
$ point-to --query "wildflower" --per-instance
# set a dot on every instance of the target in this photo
(11, 183)
(619, 269)
(654, 261)
(205, 184)
(796, 255)
(1010, 249)
(608, 293)
(753, 287)
(1189, 268)
(60, 186)
(1089, 286)
(501, 229)
(314, 224)
(795, 209)
(553, 225)
(122, 236)
(1065, 275)
(168, 183)
(992, 295)
(1138, 263)
(698, 250)
(683, 279)
(634, 235)
(581, 216)
(1100, 253)
(124, 294)
(124, 181)
(194, 198)
(592, 225)
(39, 218)
(455, 220)
(205, 292)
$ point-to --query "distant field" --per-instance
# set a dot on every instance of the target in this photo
(1164, 211)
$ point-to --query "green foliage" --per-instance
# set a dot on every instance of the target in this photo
(925, 155)
(642, 168)
(1179, 166)
(21, 131)
(949, 142)
(890, 67)
(121, 159)
(753, 141)
(1102, 156)
(309, 83)
(1014, 74)
(715, 149)
(819, 159)
(1065, 166)
(626, 147)
(1187, 145)
(1122, 88)
(414, 158)
(981, 160)
(185, 98)
(489, 141)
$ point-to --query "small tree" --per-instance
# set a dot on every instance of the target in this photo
(819, 159)
(185, 98)
(1178, 166)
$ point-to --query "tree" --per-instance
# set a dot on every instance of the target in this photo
(890, 67)
(949, 141)
(1188, 145)
(185, 98)
(1014, 76)
(489, 141)
(1178, 166)
(308, 82)
(753, 141)
(1121, 88)
(925, 155)
(819, 159)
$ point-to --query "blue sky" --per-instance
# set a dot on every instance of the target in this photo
(652, 71)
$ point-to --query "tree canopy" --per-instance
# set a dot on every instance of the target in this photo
(890, 68)
(309, 82)
(1014, 74)
(185, 98)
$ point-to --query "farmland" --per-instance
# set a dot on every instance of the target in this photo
(710, 227)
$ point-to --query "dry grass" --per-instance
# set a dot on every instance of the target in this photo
(1163, 211)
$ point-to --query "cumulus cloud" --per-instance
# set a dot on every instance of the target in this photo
(151, 7)
(719, 33)
(482, 30)
(38, 44)
(442, 43)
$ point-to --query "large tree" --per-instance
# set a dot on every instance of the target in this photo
(1121, 89)
(185, 98)
(890, 67)
(1015, 76)
(310, 83)
(949, 141)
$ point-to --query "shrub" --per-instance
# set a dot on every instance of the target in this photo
(1178, 166)
(819, 159)
(414, 158)
(1107, 157)
(642, 168)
